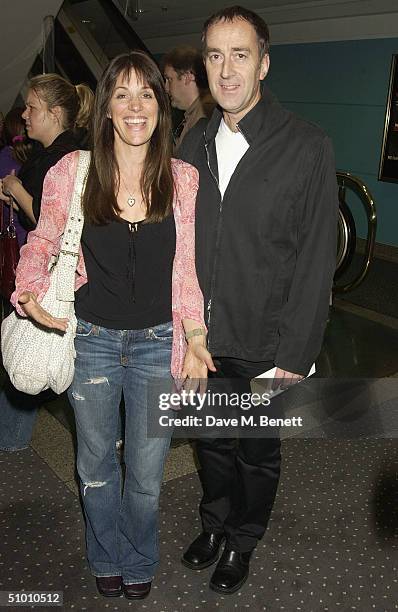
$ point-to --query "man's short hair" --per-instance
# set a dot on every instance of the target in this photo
(187, 59)
(238, 12)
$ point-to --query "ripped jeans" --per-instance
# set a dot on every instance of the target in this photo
(121, 521)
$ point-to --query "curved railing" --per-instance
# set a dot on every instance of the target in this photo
(347, 234)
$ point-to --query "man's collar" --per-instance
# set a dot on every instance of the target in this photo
(203, 98)
(193, 107)
(251, 124)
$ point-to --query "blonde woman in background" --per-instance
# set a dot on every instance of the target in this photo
(56, 117)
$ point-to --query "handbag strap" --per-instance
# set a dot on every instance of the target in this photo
(69, 254)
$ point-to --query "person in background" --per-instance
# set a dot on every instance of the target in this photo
(1, 130)
(266, 225)
(54, 107)
(82, 129)
(139, 310)
(16, 150)
(186, 84)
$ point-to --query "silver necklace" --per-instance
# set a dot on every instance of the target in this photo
(131, 199)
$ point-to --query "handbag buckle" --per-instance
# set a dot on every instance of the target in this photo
(70, 253)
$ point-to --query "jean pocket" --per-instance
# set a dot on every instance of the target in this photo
(84, 328)
(161, 332)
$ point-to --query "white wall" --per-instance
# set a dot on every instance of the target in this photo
(290, 21)
(20, 41)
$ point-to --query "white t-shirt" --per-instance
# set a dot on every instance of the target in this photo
(230, 147)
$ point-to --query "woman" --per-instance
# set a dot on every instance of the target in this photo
(135, 274)
(54, 108)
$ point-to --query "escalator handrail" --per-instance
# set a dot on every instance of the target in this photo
(367, 200)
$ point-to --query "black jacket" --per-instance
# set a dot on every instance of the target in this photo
(266, 253)
(33, 172)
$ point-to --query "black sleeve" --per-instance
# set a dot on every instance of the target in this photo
(33, 178)
(305, 314)
(190, 144)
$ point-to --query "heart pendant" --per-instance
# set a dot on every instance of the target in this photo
(131, 201)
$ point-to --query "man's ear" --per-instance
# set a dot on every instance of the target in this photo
(264, 66)
(189, 77)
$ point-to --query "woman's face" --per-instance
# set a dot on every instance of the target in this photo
(134, 111)
(39, 120)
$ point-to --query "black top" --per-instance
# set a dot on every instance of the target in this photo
(129, 268)
(32, 173)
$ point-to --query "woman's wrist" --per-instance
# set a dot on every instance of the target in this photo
(197, 341)
(196, 336)
(15, 189)
(192, 333)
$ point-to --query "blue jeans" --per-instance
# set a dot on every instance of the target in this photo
(121, 522)
(18, 413)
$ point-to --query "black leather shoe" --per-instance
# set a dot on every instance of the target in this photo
(109, 586)
(203, 551)
(231, 572)
(140, 590)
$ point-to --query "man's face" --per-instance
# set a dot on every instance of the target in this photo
(233, 66)
(176, 88)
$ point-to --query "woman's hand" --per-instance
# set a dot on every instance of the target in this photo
(32, 309)
(4, 196)
(10, 185)
(10, 182)
(196, 364)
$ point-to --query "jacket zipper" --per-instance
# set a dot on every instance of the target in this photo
(218, 234)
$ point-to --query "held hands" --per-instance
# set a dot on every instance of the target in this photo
(32, 309)
(196, 364)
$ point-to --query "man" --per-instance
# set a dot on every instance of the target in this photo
(186, 84)
(266, 235)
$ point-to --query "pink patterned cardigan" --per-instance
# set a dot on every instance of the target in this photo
(44, 242)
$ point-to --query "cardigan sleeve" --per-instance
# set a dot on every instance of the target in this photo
(44, 242)
(191, 298)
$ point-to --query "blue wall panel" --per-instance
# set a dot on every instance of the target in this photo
(343, 86)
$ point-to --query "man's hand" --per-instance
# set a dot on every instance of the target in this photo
(32, 309)
(285, 379)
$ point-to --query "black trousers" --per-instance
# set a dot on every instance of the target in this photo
(239, 477)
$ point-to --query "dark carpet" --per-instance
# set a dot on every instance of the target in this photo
(379, 290)
(331, 544)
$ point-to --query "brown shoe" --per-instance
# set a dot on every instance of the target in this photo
(140, 590)
(109, 586)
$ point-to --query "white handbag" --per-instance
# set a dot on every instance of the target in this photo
(37, 358)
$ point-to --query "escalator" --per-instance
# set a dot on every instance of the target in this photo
(87, 34)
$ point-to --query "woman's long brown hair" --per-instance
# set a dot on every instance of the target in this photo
(99, 200)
